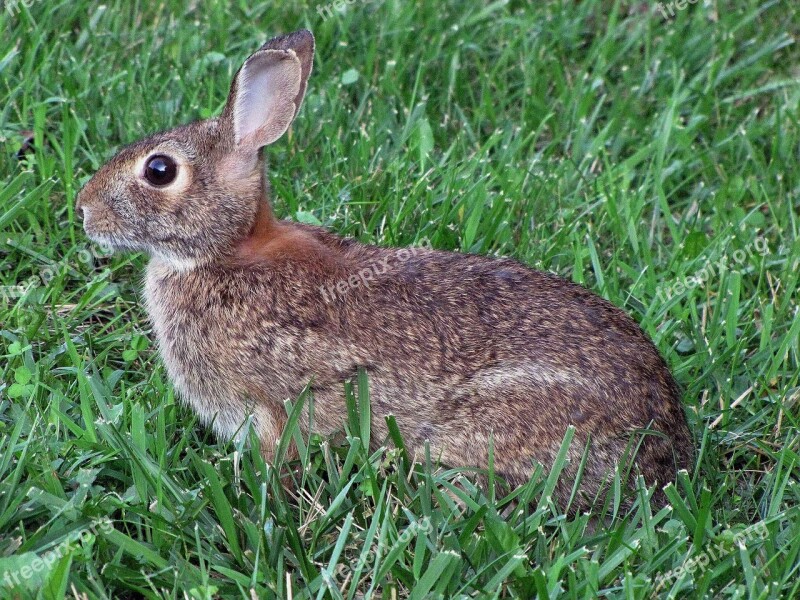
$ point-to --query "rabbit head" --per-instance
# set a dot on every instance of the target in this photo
(189, 194)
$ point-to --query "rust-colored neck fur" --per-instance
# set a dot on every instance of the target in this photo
(270, 240)
(251, 248)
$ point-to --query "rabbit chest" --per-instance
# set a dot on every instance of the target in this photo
(228, 350)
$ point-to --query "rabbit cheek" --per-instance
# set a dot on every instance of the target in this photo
(241, 173)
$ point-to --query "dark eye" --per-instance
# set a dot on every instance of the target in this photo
(160, 170)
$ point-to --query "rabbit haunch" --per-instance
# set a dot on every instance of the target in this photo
(460, 348)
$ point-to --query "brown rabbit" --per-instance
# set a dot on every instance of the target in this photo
(248, 310)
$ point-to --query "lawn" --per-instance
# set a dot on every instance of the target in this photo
(647, 151)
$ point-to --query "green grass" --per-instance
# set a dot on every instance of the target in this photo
(594, 139)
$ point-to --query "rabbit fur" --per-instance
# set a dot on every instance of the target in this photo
(248, 309)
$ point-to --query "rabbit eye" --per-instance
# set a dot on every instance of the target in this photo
(160, 170)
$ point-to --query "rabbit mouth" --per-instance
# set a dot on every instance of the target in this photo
(113, 241)
(94, 231)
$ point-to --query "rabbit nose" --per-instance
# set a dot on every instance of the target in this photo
(80, 208)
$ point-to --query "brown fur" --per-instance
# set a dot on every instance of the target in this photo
(247, 310)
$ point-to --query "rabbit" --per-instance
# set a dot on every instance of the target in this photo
(464, 350)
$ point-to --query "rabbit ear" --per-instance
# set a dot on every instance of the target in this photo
(268, 89)
(302, 44)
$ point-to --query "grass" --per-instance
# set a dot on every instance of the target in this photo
(595, 139)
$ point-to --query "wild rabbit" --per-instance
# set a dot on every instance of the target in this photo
(248, 309)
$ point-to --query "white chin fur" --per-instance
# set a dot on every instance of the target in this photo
(113, 243)
(176, 263)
